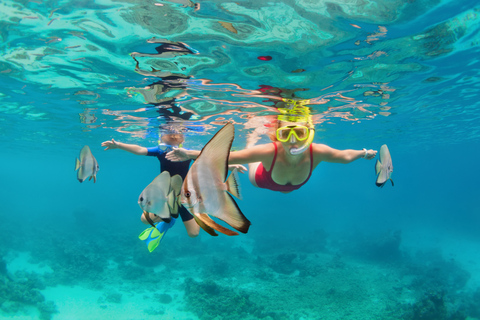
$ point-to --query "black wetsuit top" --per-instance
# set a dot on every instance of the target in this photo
(173, 168)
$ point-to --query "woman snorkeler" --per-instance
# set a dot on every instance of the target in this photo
(287, 163)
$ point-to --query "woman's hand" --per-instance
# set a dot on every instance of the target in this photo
(239, 168)
(370, 154)
(110, 144)
(177, 155)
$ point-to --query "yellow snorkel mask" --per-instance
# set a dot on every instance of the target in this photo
(296, 114)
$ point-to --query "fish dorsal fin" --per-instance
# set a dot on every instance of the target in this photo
(233, 187)
(216, 151)
(163, 179)
(384, 152)
(85, 152)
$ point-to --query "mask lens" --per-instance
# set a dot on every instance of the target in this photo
(301, 133)
(163, 146)
(283, 134)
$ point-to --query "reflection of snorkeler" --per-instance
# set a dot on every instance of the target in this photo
(162, 92)
(163, 95)
(169, 113)
(287, 163)
(167, 142)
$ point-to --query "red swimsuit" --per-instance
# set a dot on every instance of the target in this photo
(263, 178)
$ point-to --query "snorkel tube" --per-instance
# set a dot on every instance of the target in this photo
(305, 145)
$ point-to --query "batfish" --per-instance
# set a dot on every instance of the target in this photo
(207, 191)
(161, 197)
(87, 165)
(384, 167)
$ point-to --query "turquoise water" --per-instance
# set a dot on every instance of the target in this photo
(373, 72)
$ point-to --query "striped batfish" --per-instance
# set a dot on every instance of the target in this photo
(207, 191)
(160, 198)
(384, 167)
(87, 165)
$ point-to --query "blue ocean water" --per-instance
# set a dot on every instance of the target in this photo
(399, 73)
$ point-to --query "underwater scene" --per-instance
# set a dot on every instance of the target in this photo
(374, 102)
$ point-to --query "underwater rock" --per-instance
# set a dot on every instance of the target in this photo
(113, 297)
(283, 263)
(47, 310)
(165, 298)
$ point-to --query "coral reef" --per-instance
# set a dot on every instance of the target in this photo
(208, 300)
(433, 307)
(382, 247)
(24, 289)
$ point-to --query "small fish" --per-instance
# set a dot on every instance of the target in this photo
(207, 191)
(384, 167)
(87, 165)
(160, 197)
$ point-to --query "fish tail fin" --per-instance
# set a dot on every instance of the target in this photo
(202, 225)
(378, 167)
(233, 187)
(77, 164)
(205, 218)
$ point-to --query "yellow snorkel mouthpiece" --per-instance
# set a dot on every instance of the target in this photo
(305, 145)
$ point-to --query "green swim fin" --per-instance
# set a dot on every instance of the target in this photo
(153, 236)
